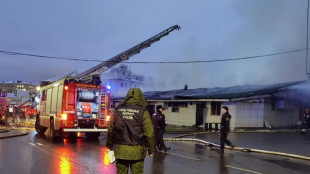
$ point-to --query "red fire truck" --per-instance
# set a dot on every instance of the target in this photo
(62, 108)
(26, 110)
(81, 104)
(3, 104)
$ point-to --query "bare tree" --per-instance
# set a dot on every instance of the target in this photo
(125, 71)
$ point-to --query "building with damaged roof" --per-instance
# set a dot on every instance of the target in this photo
(251, 106)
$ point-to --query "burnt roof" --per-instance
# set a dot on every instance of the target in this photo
(233, 92)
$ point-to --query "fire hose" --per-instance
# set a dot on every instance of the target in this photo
(239, 148)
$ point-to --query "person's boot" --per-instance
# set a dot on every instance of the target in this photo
(167, 148)
(231, 145)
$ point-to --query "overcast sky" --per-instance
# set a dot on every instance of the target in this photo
(211, 29)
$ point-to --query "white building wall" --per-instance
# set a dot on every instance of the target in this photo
(244, 114)
(281, 117)
(258, 114)
(249, 114)
(185, 116)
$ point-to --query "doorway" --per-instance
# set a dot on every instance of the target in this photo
(199, 113)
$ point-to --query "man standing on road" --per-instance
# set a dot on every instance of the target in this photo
(7, 114)
(306, 119)
(16, 116)
(225, 128)
(159, 123)
(131, 134)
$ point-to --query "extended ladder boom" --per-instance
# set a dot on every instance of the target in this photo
(95, 71)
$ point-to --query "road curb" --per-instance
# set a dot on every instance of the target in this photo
(17, 135)
(206, 143)
(4, 130)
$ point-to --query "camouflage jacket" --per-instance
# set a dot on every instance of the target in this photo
(126, 152)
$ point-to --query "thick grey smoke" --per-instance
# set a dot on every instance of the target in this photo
(301, 93)
(210, 30)
(246, 28)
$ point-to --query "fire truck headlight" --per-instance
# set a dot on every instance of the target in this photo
(64, 116)
(94, 115)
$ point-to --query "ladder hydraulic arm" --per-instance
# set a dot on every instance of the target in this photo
(93, 75)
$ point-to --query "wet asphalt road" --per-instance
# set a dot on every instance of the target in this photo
(288, 142)
(35, 154)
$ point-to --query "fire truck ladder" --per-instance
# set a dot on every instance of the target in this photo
(103, 108)
(92, 75)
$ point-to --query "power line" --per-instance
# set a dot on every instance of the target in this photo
(225, 60)
(46, 57)
(162, 62)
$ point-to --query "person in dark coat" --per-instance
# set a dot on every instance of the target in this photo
(306, 124)
(159, 124)
(16, 116)
(225, 128)
(7, 114)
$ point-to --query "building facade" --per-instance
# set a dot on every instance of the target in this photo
(250, 107)
(120, 85)
(14, 86)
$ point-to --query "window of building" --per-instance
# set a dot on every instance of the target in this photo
(179, 104)
(165, 105)
(215, 108)
(176, 105)
(183, 104)
(169, 104)
(175, 109)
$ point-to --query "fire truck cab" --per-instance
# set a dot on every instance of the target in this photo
(68, 108)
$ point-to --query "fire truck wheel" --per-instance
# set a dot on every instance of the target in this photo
(41, 130)
(92, 135)
(72, 135)
(52, 129)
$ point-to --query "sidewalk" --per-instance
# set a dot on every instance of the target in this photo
(174, 129)
(24, 126)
